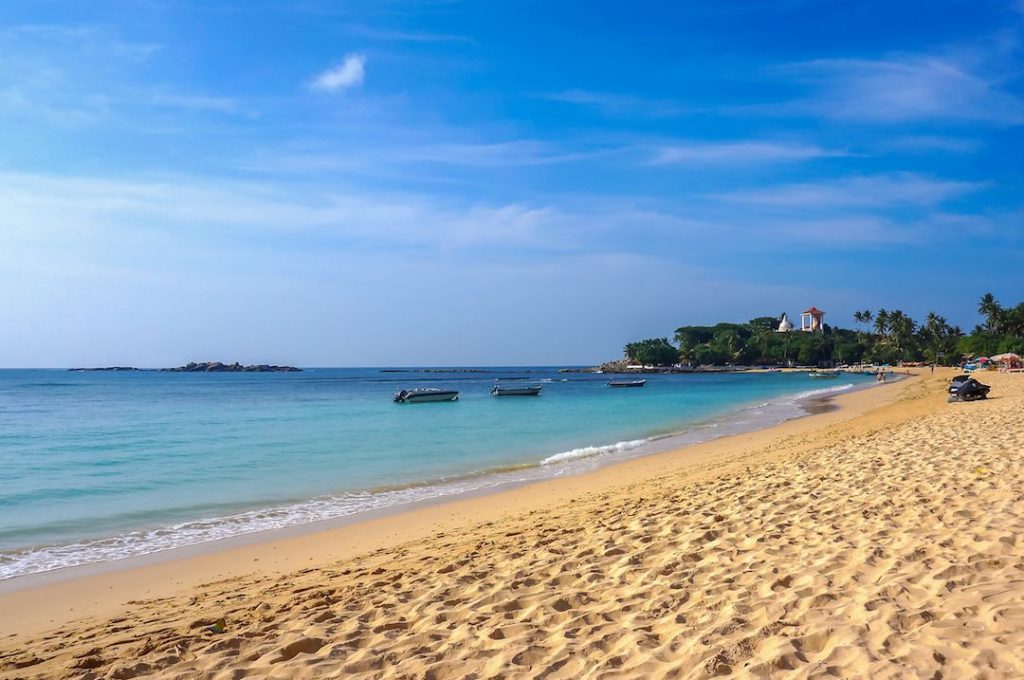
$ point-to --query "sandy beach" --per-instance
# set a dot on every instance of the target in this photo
(884, 538)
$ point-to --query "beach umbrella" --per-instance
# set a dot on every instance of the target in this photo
(1006, 356)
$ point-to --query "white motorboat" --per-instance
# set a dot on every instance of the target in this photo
(424, 394)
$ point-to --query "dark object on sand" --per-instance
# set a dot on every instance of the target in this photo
(955, 382)
(967, 389)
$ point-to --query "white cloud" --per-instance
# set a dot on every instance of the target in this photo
(903, 88)
(513, 153)
(896, 190)
(175, 221)
(927, 143)
(194, 102)
(746, 152)
(390, 35)
(621, 105)
(348, 73)
(80, 40)
(66, 210)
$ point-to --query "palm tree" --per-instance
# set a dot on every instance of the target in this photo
(731, 342)
(990, 309)
(764, 335)
(862, 317)
(1013, 321)
(937, 334)
(901, 330)
(882, 322)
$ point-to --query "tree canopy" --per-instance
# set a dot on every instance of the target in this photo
(885, 336)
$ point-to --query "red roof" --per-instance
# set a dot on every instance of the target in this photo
(813, 310)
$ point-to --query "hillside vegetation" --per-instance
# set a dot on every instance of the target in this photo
(881, 337)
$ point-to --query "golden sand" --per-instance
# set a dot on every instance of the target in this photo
(884, 540)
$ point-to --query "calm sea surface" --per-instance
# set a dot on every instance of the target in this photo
(100, 466)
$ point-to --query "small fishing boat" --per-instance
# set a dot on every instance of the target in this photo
(423, 394)
(823, 374)
(517, 391)
(627, 383)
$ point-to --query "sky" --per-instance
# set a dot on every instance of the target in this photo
(465, 183)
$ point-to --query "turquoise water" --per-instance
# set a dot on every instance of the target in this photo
(99, 466)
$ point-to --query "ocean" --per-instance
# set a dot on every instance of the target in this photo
(101, 466)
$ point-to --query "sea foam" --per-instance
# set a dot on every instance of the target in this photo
(590, 451)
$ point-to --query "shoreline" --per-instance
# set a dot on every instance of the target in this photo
(52, 598)
(744, 418)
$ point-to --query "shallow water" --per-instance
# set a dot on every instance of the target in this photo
(98, 466)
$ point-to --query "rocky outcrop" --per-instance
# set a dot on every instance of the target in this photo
(219, 367)
(107, 368)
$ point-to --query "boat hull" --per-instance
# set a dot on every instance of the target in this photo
(627, 383)
(516, 391)
(413, 397)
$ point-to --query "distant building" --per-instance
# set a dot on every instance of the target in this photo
(785, 325)
(812, 320)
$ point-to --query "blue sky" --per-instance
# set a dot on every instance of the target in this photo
(404, 183)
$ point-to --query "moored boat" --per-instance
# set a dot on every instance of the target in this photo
(424, 394)
(627, 383)
(517, 391)
(823, 374)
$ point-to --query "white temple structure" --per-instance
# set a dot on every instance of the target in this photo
(812, 320)
(785, 325)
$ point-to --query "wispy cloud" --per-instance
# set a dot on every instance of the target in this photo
(929, 143)
(73, 75)
(393, 35)
(405, 157)
(613, 104)
(87, 39)
(342, 76)
(739, 153)
(71, 213)
(514, 153)
(901, 88)
(51, 208)
(898, 189)
(194, 102)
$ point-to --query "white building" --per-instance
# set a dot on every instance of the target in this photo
(812, 320)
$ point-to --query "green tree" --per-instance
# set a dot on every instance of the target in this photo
(896, 337)
(863, 317)
(882, 322)
(652, 352)
(989, 308)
